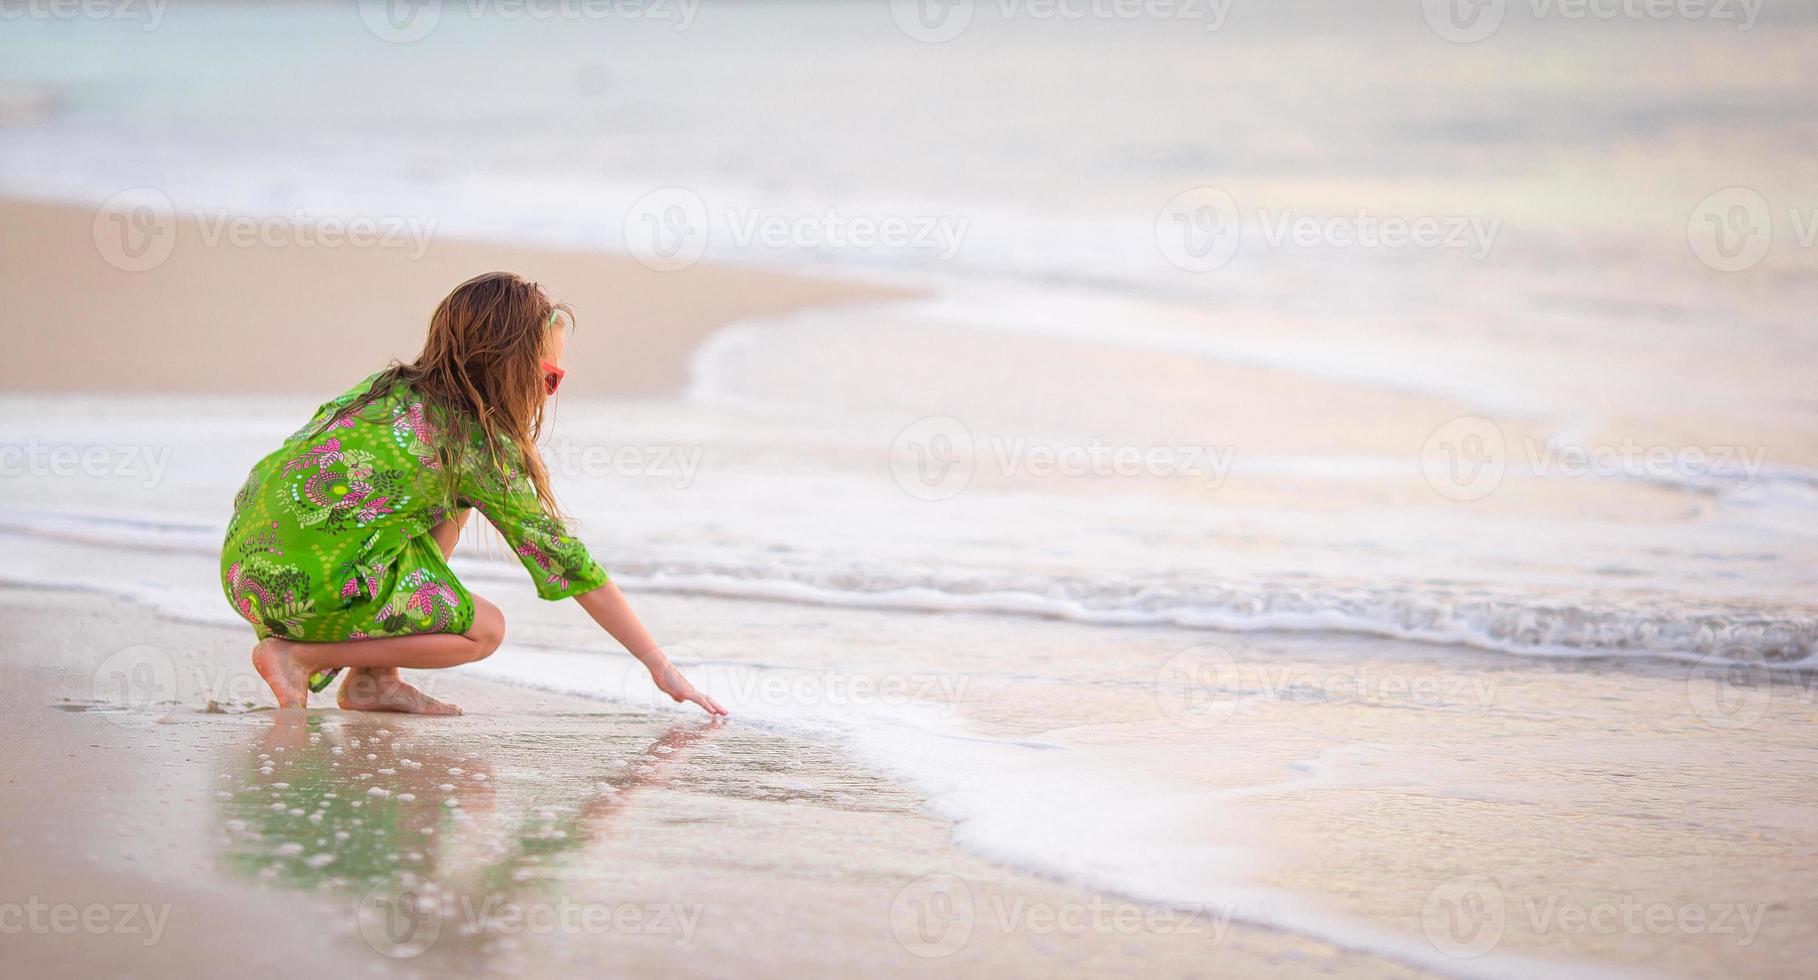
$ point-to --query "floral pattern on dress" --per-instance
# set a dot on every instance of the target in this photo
(329, 538)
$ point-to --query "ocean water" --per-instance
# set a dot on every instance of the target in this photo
(1573, 433)
(1658, 435)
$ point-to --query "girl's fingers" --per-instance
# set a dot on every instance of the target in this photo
(684, 691)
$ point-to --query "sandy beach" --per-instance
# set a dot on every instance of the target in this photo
(1290, 803)
(1127, 542)
(105, 328)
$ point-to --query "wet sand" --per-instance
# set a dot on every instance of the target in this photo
(538, 833)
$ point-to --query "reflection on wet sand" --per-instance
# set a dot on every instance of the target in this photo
(450, 842)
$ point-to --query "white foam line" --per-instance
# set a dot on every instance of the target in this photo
(203, 539)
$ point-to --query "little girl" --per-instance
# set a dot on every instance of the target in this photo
(338, 549)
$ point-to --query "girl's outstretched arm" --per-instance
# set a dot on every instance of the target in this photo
(608, 607)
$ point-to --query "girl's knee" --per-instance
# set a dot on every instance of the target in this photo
(488, 630)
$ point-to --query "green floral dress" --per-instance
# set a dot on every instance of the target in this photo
(330, 535)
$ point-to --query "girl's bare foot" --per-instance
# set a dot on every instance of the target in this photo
(276, 661)
(385, 691)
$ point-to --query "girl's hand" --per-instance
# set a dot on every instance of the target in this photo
(671, 682)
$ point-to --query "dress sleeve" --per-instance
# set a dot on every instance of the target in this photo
(556, 561)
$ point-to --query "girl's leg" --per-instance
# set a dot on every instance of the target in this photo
(380, 688)
(372, 682)
(287, 664)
